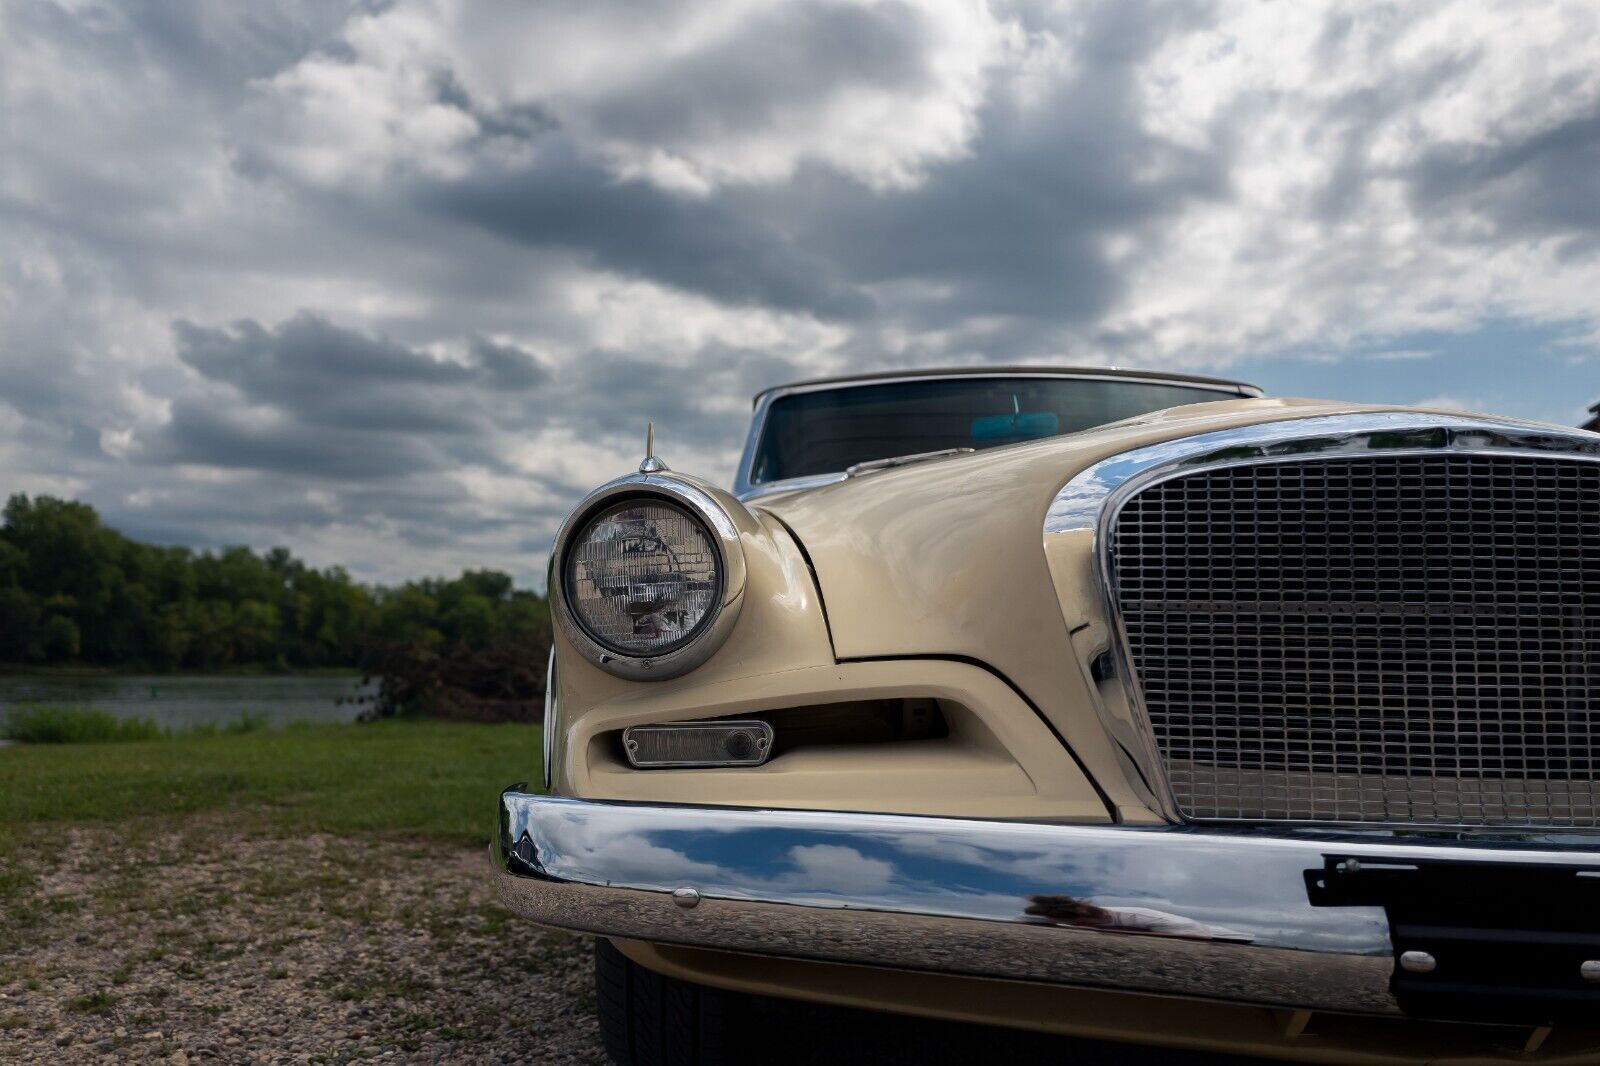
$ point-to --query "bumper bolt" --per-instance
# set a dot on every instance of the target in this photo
(686, 897)
(1590, 971)
(1422, 962)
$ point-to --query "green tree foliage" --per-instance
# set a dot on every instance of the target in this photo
(72, 590)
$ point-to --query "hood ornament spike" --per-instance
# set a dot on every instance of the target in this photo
(651, 464)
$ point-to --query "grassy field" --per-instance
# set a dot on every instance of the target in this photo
(424, 779)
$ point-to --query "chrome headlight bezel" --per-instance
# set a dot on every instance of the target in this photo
(683, 493)
(552, 720)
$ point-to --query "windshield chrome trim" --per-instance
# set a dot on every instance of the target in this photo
(770, 488)
(999, 370)
(744, 488)
(1091, 499)
(872, 466)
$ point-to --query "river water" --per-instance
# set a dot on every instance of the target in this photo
(179, 701)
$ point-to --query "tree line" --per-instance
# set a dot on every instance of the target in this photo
(73, 590)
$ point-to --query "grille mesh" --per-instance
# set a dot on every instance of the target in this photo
(1394, 639)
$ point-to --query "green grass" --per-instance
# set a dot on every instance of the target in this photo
(247, 722)
(414, 778)
(97, 1002)
(42, 723)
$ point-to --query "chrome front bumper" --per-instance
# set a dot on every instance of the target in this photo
(1213, 914)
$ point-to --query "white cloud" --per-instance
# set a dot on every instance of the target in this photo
(360, 117)
(1448, 402)
(1403, 355)
(690, 96)
(1326, 112)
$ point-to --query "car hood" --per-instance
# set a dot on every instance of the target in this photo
(948, 559)
(945, 557)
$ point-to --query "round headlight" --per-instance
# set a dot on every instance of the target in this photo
(643, 577)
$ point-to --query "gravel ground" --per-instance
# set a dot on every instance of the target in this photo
(183, 944)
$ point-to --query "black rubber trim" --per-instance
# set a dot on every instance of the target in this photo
(816, 582)
(1135, 764)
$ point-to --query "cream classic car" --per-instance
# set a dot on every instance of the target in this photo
(1128, 705)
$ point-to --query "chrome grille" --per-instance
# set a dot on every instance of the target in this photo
(1404, 639)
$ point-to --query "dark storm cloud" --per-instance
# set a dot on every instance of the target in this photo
(314, 373)
(1540, 183)
(1014, 228)
(686, 406)
(427, 510)
(1346, 126)
(311, 398)
(49, 378)
(1532, 180)
(637, 229)
(508, 366)
(305, 357)
(228, 47)
(48, 383)
(203, 520)
(779, 59)
(202, 433)
(1017, 227)
(216, 48)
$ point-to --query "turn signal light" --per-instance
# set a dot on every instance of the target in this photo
(698, 744)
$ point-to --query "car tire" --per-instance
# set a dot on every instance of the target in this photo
(650, 1019)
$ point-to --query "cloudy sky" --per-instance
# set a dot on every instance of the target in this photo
(393, 283)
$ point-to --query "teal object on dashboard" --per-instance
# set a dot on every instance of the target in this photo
(1024, 425)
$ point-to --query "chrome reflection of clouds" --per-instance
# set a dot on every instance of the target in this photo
(1080, 503)
(842, 868)
(954, 868)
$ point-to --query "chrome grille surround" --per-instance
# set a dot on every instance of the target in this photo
(1375, 728)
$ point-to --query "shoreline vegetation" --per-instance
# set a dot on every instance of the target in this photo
(45, 723)
(77, 598)
(73, 671)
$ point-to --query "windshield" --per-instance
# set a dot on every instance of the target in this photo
(829, 430)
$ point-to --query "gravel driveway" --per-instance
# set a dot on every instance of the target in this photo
(184, 943)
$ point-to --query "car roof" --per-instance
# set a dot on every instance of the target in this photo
(1243, 387)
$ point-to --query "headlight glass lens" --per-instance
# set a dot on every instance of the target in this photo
(642, 577)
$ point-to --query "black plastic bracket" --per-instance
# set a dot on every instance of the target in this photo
(1480, 941)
